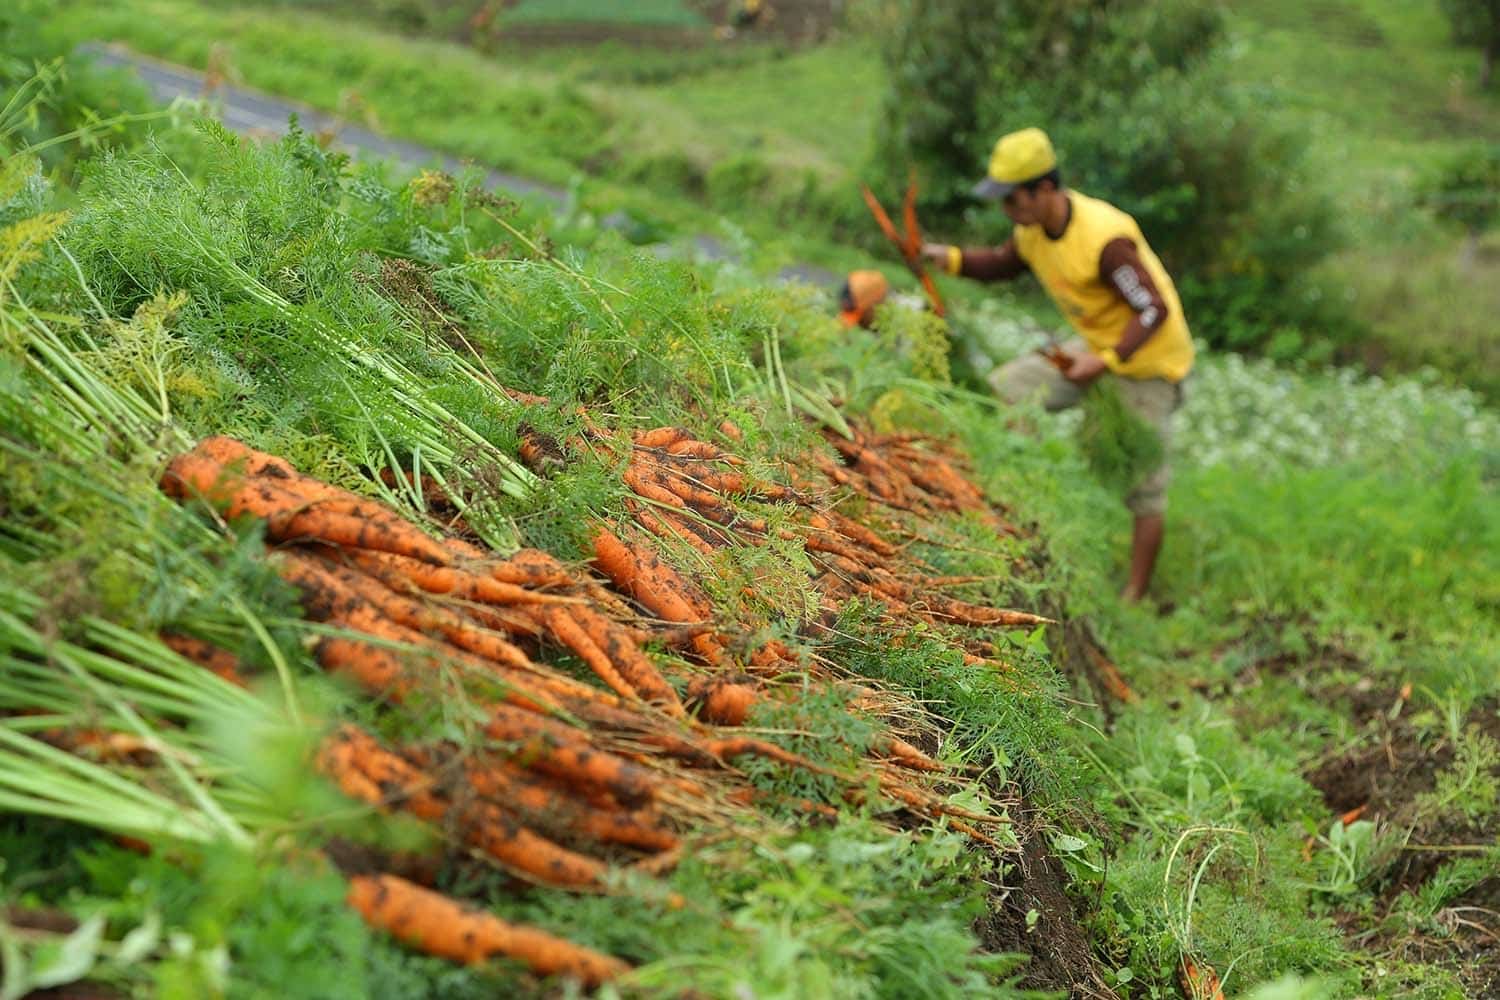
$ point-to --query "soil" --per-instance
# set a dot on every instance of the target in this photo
(1388, 773)
(1061, 958)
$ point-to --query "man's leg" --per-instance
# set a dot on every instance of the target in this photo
(1145, 543)
(1154, 401)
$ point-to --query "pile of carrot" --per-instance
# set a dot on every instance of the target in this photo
(569, 779)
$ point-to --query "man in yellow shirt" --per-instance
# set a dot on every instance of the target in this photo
(1097, 267)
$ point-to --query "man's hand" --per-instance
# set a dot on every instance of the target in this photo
(936, 254)
(1086, 367)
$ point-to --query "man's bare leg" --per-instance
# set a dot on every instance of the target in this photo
(1145, 543)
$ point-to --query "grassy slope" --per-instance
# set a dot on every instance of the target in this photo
(1385, 98)
(1263, 567)
(1330, 67)
(559, 116)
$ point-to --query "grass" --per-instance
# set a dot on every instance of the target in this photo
(1377, 139)
(775, 139)
(656, 13)
(560, 117)
(1346, 529)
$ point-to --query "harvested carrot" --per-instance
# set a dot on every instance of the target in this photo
(660, 437)
(392, 570)
(672, 528)
(289, 517)
(645, 578)
(222, 662)
(550, 806)
(376, 670)
(571, 634)
(692, 448)
(412, 614)
(438, 925)
(503, 837)
(906, 755)
(649, 487)
(531, 568)
(366, 771)
(726, 703)
(567, 755)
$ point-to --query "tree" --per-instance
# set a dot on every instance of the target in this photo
(1467, 191)
(1477, 23)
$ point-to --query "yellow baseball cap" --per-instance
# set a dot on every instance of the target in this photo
(1019, 157)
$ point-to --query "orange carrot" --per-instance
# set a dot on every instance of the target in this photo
(660, 437)
(405, 611)
(567, 754)
(726, 703)
(438, 925)
(289, 517)
(206, 654)
(376, 670)
(906, 755)
(553, 807)
(392, 570)
(531, 568)
(621, 651)
(691, 448)
(359, 765)
(643, 484)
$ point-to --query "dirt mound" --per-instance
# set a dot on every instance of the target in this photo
(1411, 782)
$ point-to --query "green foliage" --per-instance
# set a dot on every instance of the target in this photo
(49, 93)
(848, 911)
(1136, 98)
(1467, 189)
(1476, 23)
(654, 13)
(1120, 448)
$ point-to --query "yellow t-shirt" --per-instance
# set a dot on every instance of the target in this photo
(1068, 269)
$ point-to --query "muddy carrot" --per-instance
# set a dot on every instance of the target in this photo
(622, 651)
(725, 703)
(674, 530)
(660, 437)
(691, 448)
(410, 613)
(206, 654)
(553, 807)
(906, 755)
(567, 755)
(376, 670)
(394, 570)
(531, 568)
(289, 517)
(437, 925)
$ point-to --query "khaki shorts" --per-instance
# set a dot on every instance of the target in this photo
(1032, 377)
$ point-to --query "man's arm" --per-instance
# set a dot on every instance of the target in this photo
(980, 263)
(1120, 267)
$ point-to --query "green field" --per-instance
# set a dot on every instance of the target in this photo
(1301, 793)
(656, 13)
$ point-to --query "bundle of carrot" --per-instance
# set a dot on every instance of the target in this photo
(693, 491)
(566, 780)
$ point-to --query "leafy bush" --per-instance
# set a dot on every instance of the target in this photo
(1141, 108)
(1467, 189)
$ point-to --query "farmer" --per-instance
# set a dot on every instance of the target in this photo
(1097, 267)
